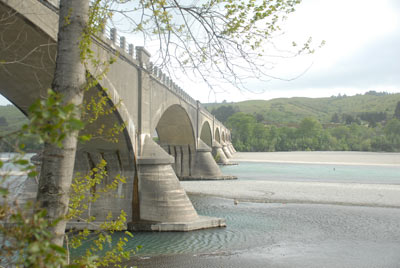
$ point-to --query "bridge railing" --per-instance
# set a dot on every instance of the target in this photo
(137, 53)
(112, 34)
(170, 84)
(121, 44)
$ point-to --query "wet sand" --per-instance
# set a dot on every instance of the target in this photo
(373, 195)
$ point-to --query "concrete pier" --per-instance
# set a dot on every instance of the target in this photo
(226, 150)
(219, 154)
(205, 167)
(164, 205)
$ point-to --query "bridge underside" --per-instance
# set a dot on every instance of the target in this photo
(29, 59)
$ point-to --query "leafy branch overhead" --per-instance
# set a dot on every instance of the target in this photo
(230, 39)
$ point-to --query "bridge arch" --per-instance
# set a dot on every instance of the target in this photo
(177, 137)
(206, 133)
(217, 135)
(175, 127)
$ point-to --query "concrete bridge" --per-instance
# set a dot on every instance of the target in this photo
(143, 98)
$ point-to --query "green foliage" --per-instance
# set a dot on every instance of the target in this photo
(25, 234)
(373, 118)
(3, 121)
(14, 118)
(223, 112)
(52, 121)
(248, 135)
(24, 237)
(397, 111)
(9, 133)
(217, 157)
(358, 123)
(86, 190)
(26, 241)
(242, 126)
(392, 131)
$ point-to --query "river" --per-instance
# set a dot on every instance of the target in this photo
(300, 209)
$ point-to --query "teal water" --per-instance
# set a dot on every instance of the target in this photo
(253, 225)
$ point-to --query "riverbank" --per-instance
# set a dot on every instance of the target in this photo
(353, 194)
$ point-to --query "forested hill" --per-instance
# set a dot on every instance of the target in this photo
(11, 120)
(285, 111)
(369, 122)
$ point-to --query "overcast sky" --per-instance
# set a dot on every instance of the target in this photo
(362, 53)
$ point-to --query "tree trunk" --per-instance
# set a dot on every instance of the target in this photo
(69, 80)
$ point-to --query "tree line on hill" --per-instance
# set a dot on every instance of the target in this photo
(373, 131)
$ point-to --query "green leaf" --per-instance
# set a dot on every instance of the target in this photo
(75, 124)
(32, 174)
(34, 247)
(58, 249)
(4, 191)
(21, 162)
(85, 138)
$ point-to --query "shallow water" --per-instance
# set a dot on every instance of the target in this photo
(286, 235)
(296, 235)
(251, 225)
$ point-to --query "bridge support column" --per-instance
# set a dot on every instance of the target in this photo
(164, 205)
(230, 148)
(233, 148)
(205, 167)
(219, 154)
(226, 150)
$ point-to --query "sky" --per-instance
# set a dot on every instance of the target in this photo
(361, 54)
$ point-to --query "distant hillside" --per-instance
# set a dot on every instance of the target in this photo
(11, 119)
(293, 110)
